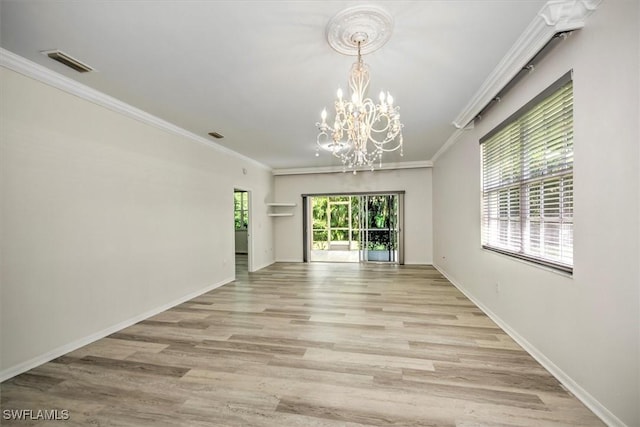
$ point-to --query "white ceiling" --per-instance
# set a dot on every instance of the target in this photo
(260, 72)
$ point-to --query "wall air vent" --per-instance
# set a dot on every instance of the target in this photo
(216, 135)
(67, 60)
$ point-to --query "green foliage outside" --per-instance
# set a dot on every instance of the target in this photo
(338, 217)
(241, 210)
(334, 211)
(380, 212)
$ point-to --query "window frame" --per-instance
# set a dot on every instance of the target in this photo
(518, 243)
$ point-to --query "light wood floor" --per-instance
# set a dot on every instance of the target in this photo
(306, 345)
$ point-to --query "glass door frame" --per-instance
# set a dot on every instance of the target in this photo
(392, 227)
(307, 222)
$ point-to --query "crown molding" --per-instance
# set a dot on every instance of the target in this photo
(334, 169)
(554, 17)
(42, 74)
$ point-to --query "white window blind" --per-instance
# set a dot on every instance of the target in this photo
(527, 180)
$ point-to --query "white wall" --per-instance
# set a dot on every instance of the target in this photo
(585, 327)
(105, 218)
(417, 201)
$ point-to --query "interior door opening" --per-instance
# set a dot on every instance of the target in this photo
(242, 230)
(354, 228)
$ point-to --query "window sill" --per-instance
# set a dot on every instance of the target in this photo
(551, 269)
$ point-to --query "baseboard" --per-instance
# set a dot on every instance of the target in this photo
(299, 261)
(289, 260)
(74, 345)
(589, 401)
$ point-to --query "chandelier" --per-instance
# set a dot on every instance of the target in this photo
(362, 131)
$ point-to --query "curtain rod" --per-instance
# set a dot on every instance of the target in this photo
(557, 37)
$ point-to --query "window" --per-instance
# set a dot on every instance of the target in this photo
(241, 209)
(527, 181)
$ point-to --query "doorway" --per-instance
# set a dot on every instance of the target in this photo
(242, 230)
(356, 227)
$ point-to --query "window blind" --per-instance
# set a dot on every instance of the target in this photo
(527, 181)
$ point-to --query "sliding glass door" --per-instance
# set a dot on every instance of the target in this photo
(354, 227)
(380, 228)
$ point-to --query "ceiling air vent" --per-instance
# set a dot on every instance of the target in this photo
(216, 135)
(67, 60)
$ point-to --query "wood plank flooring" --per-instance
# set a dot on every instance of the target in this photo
(306, 345)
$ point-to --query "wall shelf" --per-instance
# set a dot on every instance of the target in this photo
(274, 211)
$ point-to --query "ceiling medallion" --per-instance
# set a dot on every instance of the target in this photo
(361, 130)
(371, 21)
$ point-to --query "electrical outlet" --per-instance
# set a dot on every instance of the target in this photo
(497, 287)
